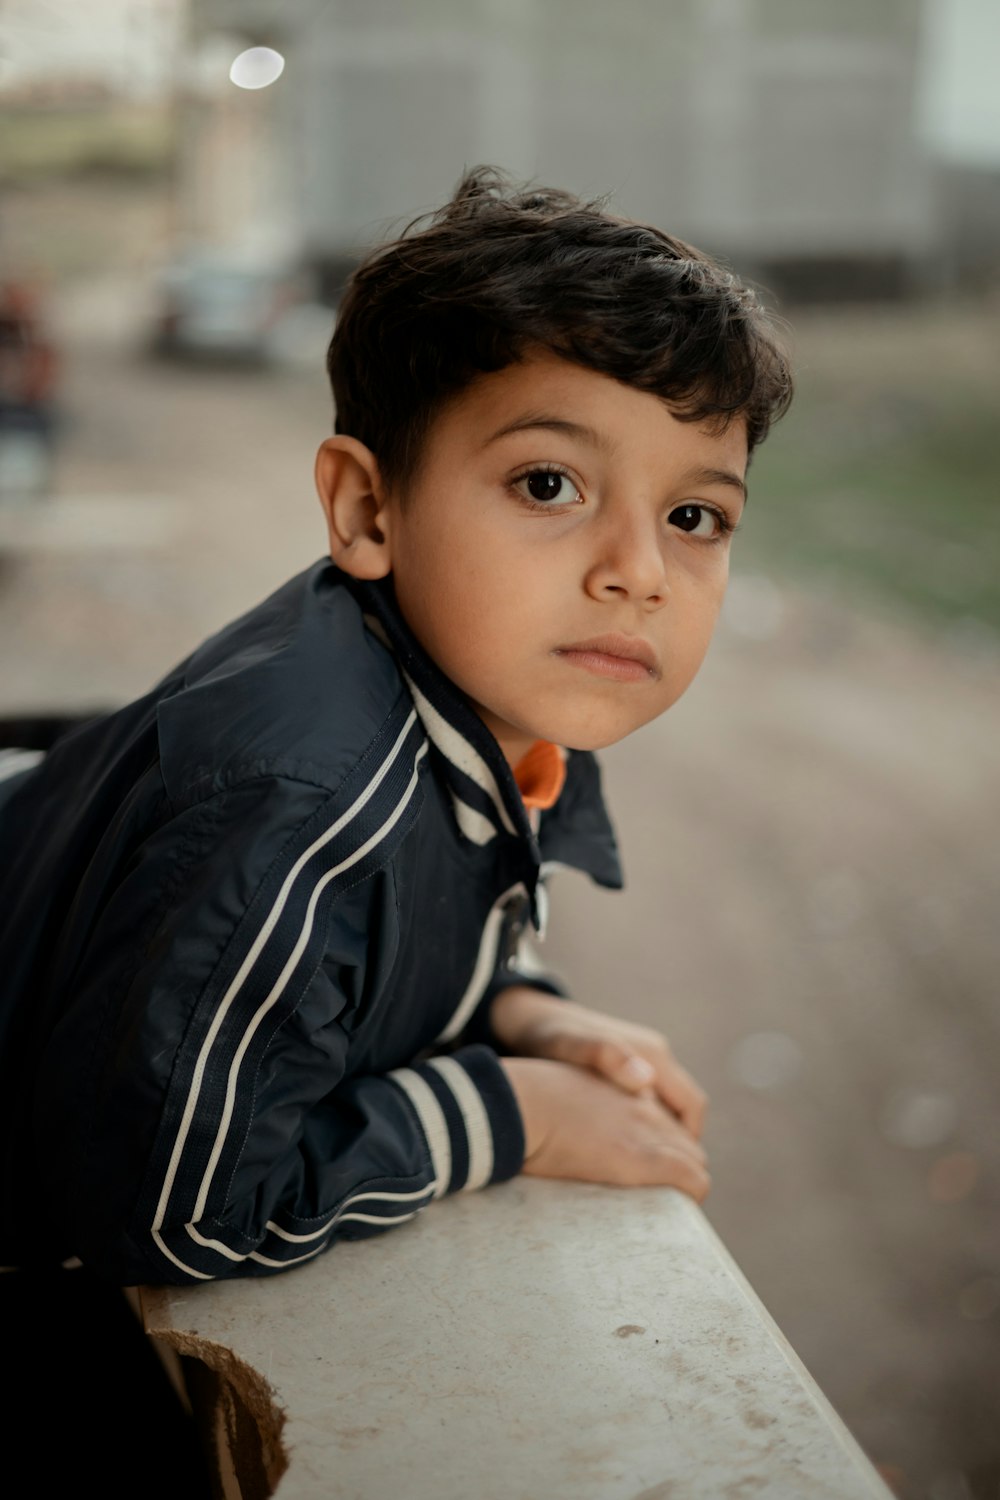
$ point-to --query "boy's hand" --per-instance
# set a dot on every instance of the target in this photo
(635, 1058)
(581, 1127)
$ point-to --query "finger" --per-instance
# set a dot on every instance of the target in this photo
(680, 1093)
(619, 1063)
(678, 1140)
(624, 1067)
(697, 1185)
(661, 1164)
(678, 1169)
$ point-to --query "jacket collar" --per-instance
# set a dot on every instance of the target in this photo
(484, 794)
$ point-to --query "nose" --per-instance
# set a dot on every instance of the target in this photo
(629, 562)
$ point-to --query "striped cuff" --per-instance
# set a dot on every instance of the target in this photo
(469, 1116)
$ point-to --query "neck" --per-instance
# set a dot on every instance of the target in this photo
(515, 743)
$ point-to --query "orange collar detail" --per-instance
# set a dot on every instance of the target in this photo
(540, 774)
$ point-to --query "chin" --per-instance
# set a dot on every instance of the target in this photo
(591, 739)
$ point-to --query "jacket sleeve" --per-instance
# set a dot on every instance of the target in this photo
(196, 1117)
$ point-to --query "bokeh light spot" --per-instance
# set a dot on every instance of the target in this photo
(918, 1119)
(256, 68)
(765, 1060)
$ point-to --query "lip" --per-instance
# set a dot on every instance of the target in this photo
(627, 657)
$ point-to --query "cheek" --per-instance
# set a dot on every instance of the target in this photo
(691, 631)
(706, 627)
(707, 596)
(453, 611)
(491, 592)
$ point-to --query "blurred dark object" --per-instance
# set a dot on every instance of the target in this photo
(819, 280)
(40, 731)
(215, 307)
(29, 370)
(968, 197)
(81, 1368)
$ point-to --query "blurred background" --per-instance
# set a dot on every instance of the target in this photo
(810, 836)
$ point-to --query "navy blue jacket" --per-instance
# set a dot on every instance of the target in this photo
(252, 926)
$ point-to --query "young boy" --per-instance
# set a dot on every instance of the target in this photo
(264, 983)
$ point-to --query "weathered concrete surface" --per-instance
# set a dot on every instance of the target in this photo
(811, 915)
(810, 845)
(542, 1339)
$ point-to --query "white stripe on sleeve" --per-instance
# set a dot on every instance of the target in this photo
(435, 1126)
(244, 972)
(477, 1121)
(315, 1234)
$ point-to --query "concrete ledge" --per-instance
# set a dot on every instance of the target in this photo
(536, 1340)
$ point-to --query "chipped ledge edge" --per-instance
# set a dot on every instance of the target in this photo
(259, 1397)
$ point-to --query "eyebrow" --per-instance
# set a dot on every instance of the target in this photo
(717, 476)
(542, 421)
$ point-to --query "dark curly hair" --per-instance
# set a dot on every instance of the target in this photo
(503, 269)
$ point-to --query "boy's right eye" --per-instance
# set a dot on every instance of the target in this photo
(547, 487)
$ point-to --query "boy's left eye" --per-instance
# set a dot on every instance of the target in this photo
(547, 487)
(698, 520)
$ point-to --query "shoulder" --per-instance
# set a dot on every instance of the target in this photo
(297, 688)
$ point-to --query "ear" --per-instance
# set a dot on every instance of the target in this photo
(354, 501)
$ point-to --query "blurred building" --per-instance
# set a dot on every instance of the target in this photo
(60, 50)
(782, 134)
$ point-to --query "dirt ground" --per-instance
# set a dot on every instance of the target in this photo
(811, 850)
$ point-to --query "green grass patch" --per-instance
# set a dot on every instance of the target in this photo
(886, 484)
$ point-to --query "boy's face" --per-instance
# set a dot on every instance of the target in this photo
(563, 549)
